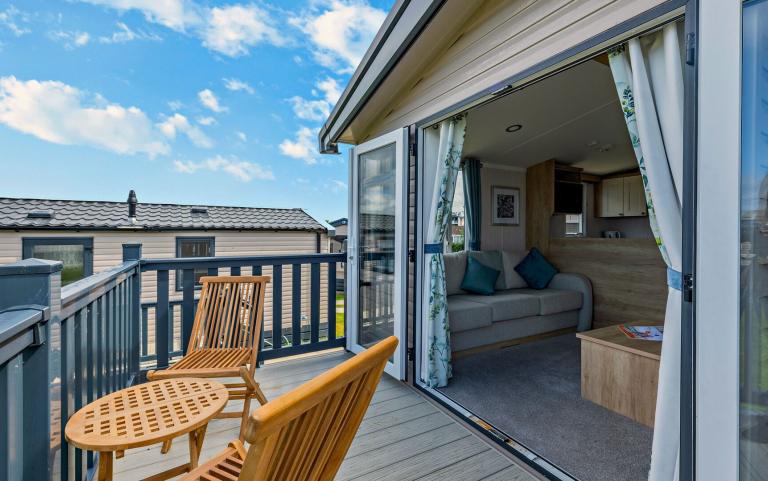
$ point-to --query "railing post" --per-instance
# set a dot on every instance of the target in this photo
(132, 252)
(36, 282)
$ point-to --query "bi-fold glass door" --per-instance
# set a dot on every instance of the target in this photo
(377, 245)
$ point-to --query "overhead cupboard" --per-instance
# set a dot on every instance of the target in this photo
(621, 197)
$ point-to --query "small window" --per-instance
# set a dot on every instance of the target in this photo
(574, 225)
(194, 247)
(76, 253)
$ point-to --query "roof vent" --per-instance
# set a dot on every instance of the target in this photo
(40, 214)
(132, 201)
(199, 210)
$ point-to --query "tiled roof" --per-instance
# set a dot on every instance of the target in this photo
(97, 215)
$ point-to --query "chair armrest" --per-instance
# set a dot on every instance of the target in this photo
(579, 283)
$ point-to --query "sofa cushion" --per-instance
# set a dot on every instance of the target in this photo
(493, 260)
(536, 270)
(479, 278)
(455, 267)
(464, 314)
(511, 304)
(554, 301)
(512, 279)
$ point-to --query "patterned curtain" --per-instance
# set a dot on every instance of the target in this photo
(648, 73)
(436, 367)
(471, 176)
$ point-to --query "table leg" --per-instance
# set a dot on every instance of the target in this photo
(105, 466)
(196, 438)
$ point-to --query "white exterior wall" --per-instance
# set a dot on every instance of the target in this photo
(108, 252)
(500, 40)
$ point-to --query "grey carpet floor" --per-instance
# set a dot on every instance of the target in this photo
(532, 393)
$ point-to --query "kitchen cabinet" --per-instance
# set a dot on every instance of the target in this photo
(622, 197)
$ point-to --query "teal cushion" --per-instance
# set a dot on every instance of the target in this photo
(536, 270)
(493, 260)
(479, 278)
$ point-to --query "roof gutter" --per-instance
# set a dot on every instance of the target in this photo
(402, 26)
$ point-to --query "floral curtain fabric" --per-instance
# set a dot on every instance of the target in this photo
(648, 73)
(471, 177)
(436, 368)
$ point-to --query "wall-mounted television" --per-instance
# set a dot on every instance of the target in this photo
(569, 198)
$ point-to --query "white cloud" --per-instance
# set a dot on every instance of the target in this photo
(298, 60)
(317, 109)
(237, 85)
(10, 18)
(330, 88)
(178, 123)
(232, 30)
(70, 40)
(62, 114)
(124, 34)
(309, 109)
(302, 147)
(175, 105)
(210, 101)
(337, 186)
(178, 15)
(207, 121)
(241, 136)
(341, 31)
(242, 170)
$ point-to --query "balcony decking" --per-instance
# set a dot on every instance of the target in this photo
(403, 436)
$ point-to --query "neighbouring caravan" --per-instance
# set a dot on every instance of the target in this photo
(604, 318)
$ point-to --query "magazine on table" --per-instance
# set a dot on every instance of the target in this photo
(644, 333)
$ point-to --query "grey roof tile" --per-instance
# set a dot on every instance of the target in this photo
(85, 215)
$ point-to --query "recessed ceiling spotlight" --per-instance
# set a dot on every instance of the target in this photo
(513, 128)
(606, 147)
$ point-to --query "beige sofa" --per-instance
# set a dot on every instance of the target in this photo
(514, 311)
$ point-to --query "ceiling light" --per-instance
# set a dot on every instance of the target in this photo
(513, 128)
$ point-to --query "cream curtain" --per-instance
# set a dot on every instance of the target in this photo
(436, 364)
(648, 73)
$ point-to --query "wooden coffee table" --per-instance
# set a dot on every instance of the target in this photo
(620, 373)
(151, 413)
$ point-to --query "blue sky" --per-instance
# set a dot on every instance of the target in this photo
(189, 101)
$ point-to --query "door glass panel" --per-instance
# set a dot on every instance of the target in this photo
(72, 256)
(376, 234)
(753, 348)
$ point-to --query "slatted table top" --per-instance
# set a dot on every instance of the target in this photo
(146, 414)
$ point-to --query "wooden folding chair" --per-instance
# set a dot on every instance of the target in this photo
(225, 339)
(304, 435)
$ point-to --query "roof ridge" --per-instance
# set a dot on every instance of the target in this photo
(149, 203)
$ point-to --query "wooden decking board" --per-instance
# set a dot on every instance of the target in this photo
(402, 437)
(427, 462)
(473, 468)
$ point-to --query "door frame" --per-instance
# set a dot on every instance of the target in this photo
(643, 23)
(716, 381)
(395, 367)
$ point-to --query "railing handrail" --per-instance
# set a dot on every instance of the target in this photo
(79, 294)
(239, 261)
(13, 322)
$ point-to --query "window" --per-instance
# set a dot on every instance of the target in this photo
(75, 252)
(574, 225)
(194, 247)
(753, 419)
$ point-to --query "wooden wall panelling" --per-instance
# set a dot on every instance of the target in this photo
(539, 204)
(629, 277)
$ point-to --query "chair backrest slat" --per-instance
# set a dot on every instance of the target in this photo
(229, 312)
(304, 435)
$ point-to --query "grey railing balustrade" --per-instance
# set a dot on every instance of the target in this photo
(301, 299)
(61, 348)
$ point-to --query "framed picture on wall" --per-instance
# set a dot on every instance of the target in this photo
(505, 205)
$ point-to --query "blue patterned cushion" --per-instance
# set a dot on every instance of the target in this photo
(479, 278)
(536, 270)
